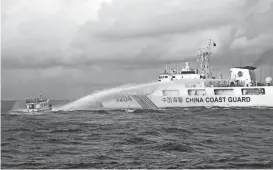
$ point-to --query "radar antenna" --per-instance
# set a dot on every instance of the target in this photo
(203, 58)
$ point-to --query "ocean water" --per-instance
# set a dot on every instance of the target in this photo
(171, 138)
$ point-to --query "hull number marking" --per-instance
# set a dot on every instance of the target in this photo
(123, 99)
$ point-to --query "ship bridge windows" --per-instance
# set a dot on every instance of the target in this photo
(253, 91)
(187, 72)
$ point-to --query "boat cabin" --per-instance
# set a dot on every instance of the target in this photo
(38, 104)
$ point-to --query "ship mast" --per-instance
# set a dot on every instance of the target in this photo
(203, 58)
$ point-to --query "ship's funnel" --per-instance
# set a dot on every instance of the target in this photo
(268, 81)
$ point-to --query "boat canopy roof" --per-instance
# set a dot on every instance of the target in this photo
(247, 67)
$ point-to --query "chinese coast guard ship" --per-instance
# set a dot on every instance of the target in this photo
(190, 88)
(40, 104)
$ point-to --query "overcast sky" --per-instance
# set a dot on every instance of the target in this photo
(67, 48)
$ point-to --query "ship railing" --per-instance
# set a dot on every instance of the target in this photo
(231, 83)
(224, 83)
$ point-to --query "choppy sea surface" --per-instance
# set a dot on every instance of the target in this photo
(171, 138)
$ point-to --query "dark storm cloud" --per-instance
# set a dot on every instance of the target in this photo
(156, 25)
(87, 40)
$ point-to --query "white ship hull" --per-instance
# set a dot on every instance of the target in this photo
(234, 97)
(45, 110)
(190, 88)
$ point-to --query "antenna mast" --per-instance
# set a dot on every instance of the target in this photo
(203, 58)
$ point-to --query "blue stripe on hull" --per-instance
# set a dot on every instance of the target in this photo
(140, 102)
(144, 101)
(152, 105)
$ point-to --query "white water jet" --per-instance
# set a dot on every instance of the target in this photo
(84, 103)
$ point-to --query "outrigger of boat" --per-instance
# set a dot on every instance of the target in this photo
(199, 88)
(40, 104)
